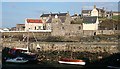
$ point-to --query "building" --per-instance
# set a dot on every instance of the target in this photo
(61, 26)
(90, 23)
(46, 17)
(34, 24)
(20, 27)
(100, 12)
(109, 14)
(86, 13)
(115, 13)
(13, 29)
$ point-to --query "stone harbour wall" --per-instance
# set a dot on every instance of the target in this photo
(111, 47)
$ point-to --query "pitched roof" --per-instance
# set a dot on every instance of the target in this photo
(91, 19)
(62, 19)
(86, 11)
(49, 20)
(102, 10)
(34, 21)
(53, 14)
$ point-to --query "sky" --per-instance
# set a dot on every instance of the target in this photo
(16, 12)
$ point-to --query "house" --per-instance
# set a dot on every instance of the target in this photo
(109, 14)
(115, 13)
(20, 27)
(86, 13)
(13, 29)
(34, 24)
(90, 23)
(98, 12)
(75, 16)
(46, 17)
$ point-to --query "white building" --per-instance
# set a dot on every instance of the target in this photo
(90, 23)
(34, 24)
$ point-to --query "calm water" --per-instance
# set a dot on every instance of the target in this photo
(54, 65)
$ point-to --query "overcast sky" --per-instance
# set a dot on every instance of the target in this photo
(15, 12)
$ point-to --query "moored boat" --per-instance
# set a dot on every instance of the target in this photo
(17, 60)
(72, 61)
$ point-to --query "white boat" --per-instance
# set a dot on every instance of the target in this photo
(72, 61)
(17, 60)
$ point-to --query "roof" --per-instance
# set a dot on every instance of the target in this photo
(102, 10)
(20, 24)
(53, 14)
(49, 20)
(90, 19)
(62, 19)
(86, 11)
(34, 21)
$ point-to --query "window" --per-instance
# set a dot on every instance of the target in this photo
(79, 28)
(39, 27)
(63, 28)
(35, 27)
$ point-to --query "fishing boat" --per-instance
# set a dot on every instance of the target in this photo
(71, 61)
(17, 60)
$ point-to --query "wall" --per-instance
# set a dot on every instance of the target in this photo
(110, 47)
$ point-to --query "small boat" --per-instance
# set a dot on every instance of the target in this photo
(72, 61)
(17, 60)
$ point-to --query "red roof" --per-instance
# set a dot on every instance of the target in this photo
(34, 21)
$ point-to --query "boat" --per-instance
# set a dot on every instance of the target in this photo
(71, 61)
(17, 60)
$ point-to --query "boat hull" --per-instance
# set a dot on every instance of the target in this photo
(10, 61)
(76, 63)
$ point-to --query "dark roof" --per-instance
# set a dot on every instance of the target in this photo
(91, 19)
(44, 15)
(49, 21)
(102, 10)
(62, 19)
(74, 15)
(53, 14)
(86, 11)
(62, 14)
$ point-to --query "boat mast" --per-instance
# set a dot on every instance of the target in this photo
(28, 40)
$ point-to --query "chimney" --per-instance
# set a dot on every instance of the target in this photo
(103, 8)
(68, 12)
(94, 6)
(59, 12)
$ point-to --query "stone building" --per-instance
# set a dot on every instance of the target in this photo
(20, 27)
(46, 17)
(63, 27)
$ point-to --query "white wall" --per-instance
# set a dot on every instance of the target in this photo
(90, 26)
(31, 26)
(94, 12)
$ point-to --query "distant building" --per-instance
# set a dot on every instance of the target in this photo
(86, 13)
(20, 27)
(75, 16)
(34, 24)
(90, 23)
(13, 29)
(116, 13)
(96, 12)
(109, 14)
(46, 17)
